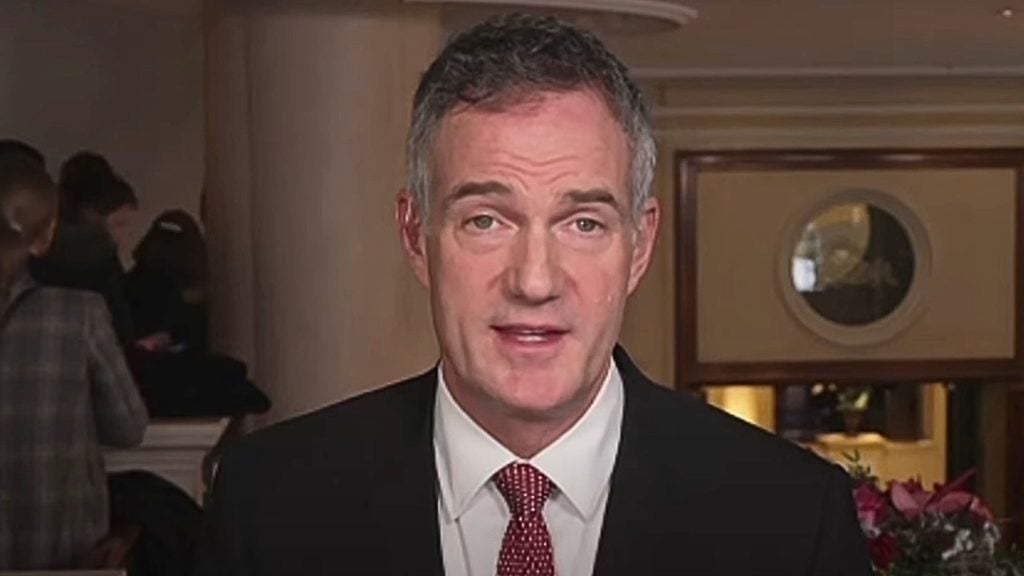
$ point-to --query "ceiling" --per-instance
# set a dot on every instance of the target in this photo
(826, 34)
(779, 37)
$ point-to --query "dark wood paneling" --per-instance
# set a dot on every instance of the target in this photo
(686, 272)
(1015, 464)
(964, 434)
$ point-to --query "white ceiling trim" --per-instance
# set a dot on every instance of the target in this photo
(671, 73)
(669, 10)
(874, 110)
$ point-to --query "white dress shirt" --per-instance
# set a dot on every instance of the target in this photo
(473, 514)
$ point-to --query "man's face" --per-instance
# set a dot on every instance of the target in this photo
(529, 253)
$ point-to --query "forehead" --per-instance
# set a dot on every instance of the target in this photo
(544, 136)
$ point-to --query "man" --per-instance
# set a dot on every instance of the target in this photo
(536, 446)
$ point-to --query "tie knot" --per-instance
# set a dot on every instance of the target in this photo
(525, 488)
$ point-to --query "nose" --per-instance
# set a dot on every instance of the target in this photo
(534, 275)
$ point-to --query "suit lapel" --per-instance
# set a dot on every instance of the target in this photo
(649, 500)
(406, 499)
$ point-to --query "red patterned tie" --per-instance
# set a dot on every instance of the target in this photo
(526, 549)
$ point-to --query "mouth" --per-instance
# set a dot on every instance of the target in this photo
(530, 335)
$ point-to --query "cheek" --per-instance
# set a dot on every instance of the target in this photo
(465, 280)
(600, 281)
(604, 290)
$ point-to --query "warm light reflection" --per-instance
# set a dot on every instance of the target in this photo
(890, 460)
(754, 404)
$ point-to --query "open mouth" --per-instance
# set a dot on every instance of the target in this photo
(529, 335)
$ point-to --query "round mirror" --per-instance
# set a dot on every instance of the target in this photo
(853, 263)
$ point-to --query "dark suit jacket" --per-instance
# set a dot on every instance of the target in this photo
(351, 489)
(83, 257)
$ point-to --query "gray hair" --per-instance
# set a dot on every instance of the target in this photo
(511, 58)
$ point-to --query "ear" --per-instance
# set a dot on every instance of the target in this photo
(411, 229)
(643, 243)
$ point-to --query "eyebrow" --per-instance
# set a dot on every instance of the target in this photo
(493, 188)
(470, 189)
(594, 196)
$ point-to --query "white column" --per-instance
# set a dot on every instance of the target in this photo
(227, 184)
(307, 141)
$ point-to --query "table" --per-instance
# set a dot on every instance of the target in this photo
(180, 450)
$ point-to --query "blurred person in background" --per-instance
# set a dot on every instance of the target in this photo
(166, 288)
(97, 209)
(65, 389)
(10, 147)
(95, 194)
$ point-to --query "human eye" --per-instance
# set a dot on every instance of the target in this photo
(481, 223)
(587, 225)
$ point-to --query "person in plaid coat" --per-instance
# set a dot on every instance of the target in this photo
(64, 390)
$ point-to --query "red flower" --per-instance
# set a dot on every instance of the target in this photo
(909, 527)
(871, 505)
(958, 501)
(912, 500)
(884, 551)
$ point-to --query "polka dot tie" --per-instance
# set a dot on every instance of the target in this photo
(526, 549)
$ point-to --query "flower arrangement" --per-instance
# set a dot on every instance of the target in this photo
(913, 531)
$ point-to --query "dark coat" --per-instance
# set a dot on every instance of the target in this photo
(83, 257)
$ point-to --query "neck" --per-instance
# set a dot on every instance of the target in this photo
(527, 439)
(524, 433)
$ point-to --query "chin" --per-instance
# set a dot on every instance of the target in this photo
(539, 411)
(542, 399)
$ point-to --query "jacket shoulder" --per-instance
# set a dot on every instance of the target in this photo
(732, 439)
(64, 303)
(350, 433)
(689, 432)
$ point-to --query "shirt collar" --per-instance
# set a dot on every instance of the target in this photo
(579, 462)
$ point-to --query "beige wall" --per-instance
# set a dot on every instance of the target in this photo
(124, 82)
(747, 219)
(648, 330)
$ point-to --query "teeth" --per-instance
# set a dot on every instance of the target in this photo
(531, 332)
